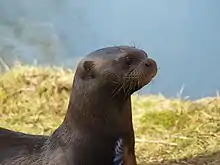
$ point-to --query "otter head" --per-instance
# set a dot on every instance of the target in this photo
(126, 69)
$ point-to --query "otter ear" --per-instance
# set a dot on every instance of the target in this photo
(88, 65)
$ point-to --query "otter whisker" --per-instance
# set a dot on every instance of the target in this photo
(124, 85)
(127, 86)
(116, 82)
(117, 90)
(131, 81)
(141, 76)
(111, 76)
(130, 87)
(138, 83)
(127, 93)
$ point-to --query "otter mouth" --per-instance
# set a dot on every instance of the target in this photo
(139, 76)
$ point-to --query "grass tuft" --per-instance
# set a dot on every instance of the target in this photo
(168, 131)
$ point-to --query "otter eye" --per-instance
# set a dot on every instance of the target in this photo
(128, 60)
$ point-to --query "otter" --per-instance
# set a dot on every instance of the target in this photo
(97, 128)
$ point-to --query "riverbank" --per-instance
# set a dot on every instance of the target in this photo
(168, 131)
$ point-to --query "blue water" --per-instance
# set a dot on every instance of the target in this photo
(182, 36)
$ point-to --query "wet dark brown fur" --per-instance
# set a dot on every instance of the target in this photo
(99, 113)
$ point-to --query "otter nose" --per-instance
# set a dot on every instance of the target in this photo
(150, 62)
(152, 65)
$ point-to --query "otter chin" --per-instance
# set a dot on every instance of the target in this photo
(97, 128)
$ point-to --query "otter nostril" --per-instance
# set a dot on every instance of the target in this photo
(148, 63)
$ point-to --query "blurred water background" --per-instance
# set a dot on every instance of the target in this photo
(182, 36)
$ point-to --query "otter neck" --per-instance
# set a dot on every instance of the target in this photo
(96, 109)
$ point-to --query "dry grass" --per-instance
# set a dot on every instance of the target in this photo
(168, 131)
